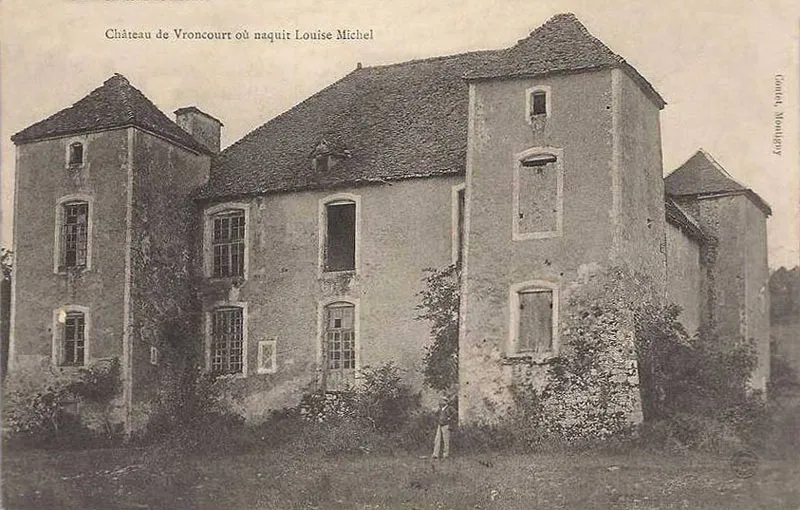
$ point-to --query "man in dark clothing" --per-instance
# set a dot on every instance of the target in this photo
(447, 416)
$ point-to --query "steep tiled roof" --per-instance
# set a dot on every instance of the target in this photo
(562, 44)
(116, 103)
(701, 175)
(677, 216)
(396, 121)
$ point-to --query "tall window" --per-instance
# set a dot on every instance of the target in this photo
(76, 154)
(535, 327)
(460, 218)
(539, 103)
(340, 236)
(227, 341)
(340, 346)
(74, 234)
(73, 344)
(228, 243)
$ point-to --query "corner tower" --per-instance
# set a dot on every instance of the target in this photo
(564, 174)
(102, 200)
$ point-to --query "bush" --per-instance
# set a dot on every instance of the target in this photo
(440, 301)
(35, 414)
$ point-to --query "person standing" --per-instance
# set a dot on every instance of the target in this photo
(446, 417)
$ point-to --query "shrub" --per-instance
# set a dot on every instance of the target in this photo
(36, 413)
(440, 301)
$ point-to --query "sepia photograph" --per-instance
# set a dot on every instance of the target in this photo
(352, 255)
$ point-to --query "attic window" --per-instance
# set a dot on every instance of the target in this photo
(537, 102)
(322, 163)
(76, 154)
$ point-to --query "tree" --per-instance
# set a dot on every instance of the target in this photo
(440, 301)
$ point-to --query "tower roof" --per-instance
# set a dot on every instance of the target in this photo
(115, 104)
(702, 176)
(562, 44)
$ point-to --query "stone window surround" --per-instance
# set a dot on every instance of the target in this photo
(59, 219)
(518, 158)
(322, 220)
(513, 319)
(208, 321)
(208, 234)
(58, 334)
(272, 367)
(68, 149)
(529, 102)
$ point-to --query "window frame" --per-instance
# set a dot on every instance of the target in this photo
(324, 203)
(58, 251)
(209, 216)
(209, 337)
(515, 291)
(529, 92)
(273, 365)
(58, 347)
(458, 235)
(68, 152)
(322, 338)
(515, 202)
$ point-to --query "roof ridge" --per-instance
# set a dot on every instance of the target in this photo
(286, 112)
(431, 59)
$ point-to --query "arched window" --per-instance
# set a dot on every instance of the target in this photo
(71, 336)
(73, 226)
(339, 345)
(339, 234)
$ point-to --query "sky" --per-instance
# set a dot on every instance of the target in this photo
(715, 63)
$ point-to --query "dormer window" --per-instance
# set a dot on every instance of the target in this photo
(76, 154)
(327, 155)
(537, 102)
(322, 163)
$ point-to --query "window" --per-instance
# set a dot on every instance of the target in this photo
(340, 236)
(227, 341)
(459, 217)
(537, 102)
(228, 243)
(535, 332)
(153, 355)
(267, 357)
(75, 154)
(339, 345)
(74, 235)
(534, 319)
(538, 194)
(73, 339)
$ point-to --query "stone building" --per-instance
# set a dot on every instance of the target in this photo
(294, 257)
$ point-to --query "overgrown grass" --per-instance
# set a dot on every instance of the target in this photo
(289, 478)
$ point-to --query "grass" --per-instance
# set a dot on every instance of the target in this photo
(160, 478)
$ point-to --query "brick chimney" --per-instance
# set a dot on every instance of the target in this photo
(202, 126)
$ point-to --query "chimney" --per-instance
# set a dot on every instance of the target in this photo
(202, 126)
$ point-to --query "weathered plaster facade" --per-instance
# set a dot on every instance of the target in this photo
(556, 143)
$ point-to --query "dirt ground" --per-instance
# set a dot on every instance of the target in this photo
(156, 478)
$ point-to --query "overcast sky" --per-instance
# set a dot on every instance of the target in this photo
(715, 63)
